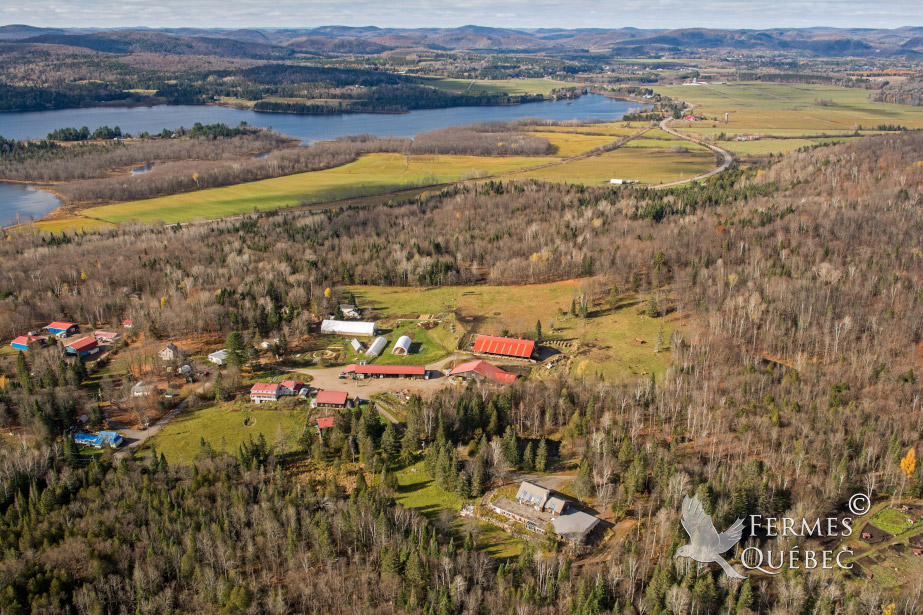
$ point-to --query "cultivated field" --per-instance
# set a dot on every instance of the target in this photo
(371, 174)
(513, 87)
(787, 109)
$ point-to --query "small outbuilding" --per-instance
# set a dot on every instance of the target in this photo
(402, 345)
(142, 389)
(350, 311)
(357, 345)
(290, 387)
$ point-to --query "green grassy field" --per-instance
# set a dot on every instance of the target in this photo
(800, 109)
(655, 165)
(426, 346)
(892, 521)
(568, 144)
(371, 173)
(513, 87)
(222, 426)
(604, 343)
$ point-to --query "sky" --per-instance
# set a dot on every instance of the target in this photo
(755, 14)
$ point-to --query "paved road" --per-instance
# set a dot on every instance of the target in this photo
(137, 437)
(726, 155)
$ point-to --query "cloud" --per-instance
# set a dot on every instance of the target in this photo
(498, 13)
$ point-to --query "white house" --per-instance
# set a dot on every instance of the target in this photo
(142, 389)
(170, 352)
(219, 357)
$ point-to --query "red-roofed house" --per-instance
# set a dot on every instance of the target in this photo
(127, 323)
(474, 369)
(290, 387)
(82, 347)
(324, 423)
(262, 392)
(504, 346)
(331, 399)
(384, 371)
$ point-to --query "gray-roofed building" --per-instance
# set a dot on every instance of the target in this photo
(574, 526)
(350, 311)
(376, 347)
(357, 345)
(535, 507)
(402, 345)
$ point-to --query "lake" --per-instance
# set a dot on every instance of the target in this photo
(22, 200)
(307, 128)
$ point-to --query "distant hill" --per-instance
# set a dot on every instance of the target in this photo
(269, 43)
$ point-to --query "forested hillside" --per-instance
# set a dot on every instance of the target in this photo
(794, 384)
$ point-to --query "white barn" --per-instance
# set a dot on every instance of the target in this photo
(348, 327)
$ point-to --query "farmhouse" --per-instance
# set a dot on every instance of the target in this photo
(61, 327)
(482, 370)
(127, 323)
(348, 327)
(350, 311)
(107, 336)
(376, 347)
(384, 371)
(331, 399)
(82, 347)
(290, 387)
(219, 357)
(504, 346)
(25, 342)
(170, 353)
(535, 507)
(401, 346)
(262, 392)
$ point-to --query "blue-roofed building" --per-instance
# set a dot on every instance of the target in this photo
(103, 438)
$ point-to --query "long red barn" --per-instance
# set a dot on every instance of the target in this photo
(504, 346)
(385, 370)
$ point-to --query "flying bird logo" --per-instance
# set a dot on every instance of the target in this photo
(707, 544)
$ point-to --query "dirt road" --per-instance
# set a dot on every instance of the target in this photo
(726, 155)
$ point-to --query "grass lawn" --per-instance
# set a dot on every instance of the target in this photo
(418, 490)
(372, 173)
(758, 106)
(222, 426)
(892, 521)
(513, 87)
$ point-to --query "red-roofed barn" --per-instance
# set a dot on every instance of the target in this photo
(504, 346)
(331, 399)
(483, 369)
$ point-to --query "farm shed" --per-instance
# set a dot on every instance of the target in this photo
(67, 328)
(402, 345)
(504, 346)
(377, 346)
(24, 342)
(107, 336)
(357, 345)
(82, 347)
(384, 371)
(290, 387)
(348, 327)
